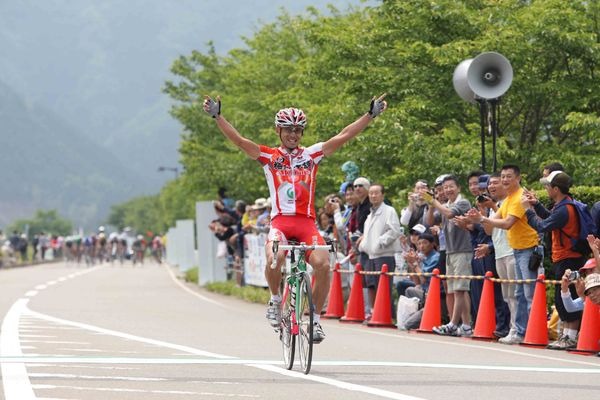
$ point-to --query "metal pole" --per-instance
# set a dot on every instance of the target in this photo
(482, 115)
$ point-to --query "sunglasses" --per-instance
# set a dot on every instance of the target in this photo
(293, 129)
(359, 185)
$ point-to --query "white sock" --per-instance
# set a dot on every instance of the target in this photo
(572, 333)
(451, 325)
(316, 318)
(276, 298)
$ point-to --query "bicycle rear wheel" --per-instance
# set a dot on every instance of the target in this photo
(304, 313)
(288, 341)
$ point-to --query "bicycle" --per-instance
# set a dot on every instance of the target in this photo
(297, 305)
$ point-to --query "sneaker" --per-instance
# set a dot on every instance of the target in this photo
(564, 342)
(511, 338)
(501, 334)
(446, 330)
(465, 332)
(274, 313)
(318, 334)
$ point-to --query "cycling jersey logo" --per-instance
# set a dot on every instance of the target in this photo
(290, 193)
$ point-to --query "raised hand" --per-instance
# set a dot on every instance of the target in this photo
(213, 108)
(378, 105)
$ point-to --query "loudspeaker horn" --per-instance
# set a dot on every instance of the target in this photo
(487, 76)
(459, 80)
(490, 75)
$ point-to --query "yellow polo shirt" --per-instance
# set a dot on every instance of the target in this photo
(520, 236)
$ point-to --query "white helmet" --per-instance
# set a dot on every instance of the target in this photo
(287, 117)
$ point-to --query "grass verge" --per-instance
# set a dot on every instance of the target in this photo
(191, 275)
(252, 294)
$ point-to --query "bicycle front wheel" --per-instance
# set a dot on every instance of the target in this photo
(288, 340)
(304, 313)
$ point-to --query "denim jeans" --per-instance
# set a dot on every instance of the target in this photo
(524, 291)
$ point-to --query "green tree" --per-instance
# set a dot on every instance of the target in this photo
(43, 221)
(155, 213)
(331, 66)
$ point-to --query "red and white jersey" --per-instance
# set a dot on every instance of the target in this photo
(292, 177)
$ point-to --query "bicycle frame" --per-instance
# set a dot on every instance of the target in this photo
(292, 288)
(296, 270)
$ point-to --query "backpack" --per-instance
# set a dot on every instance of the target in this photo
(587, 227)
(596, 217)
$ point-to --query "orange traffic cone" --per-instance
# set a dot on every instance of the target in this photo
(356, 302)
(589, 335)
(335, 307)
(432, 313)
(382, 310)
(486, 315)
(537, 326)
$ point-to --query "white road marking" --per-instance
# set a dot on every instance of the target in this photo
(50, 283)
(181, 285)
(88, 350)
(53, 341)
(14, 375)
(62, 279)
(41, 287)
(458, 342)
(92, 377)
(37, 336)
(79, 366)
(342, 385)
(31, 293)
(123, 390)
(340, 363)
(125, 335)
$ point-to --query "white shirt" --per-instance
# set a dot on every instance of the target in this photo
(382, 229)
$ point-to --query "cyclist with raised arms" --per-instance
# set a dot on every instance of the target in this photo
(291, 172)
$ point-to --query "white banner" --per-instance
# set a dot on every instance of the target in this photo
(255, 259)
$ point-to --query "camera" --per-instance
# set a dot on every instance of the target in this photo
(482, 197)
(574, 275)
(333, 200)
(483, 181)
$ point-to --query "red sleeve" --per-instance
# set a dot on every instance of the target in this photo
(265, 154)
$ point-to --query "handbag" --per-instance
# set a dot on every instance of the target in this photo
(536, 259)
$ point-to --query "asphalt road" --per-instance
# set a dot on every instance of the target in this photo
(124, 332)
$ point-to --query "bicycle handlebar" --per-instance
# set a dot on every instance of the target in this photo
(301, 246)
(304, 247)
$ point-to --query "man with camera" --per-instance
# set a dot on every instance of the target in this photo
(459, 252)
(563, 222)
(524, 241)
(483, 257)
(417, 206)
(576, 280)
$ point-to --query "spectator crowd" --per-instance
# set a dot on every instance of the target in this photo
(493, 225)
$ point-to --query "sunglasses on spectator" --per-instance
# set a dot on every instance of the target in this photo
(359, 185)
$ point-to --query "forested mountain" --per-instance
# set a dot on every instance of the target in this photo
(86, 80)
(46, 163)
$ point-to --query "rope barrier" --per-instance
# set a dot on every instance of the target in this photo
(450, 277)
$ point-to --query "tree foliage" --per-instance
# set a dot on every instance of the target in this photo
(43, 221)
(331, 66)
(155, 213)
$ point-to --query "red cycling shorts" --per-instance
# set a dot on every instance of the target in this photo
(295, 227)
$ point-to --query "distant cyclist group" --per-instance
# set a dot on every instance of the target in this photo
(96, 247)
